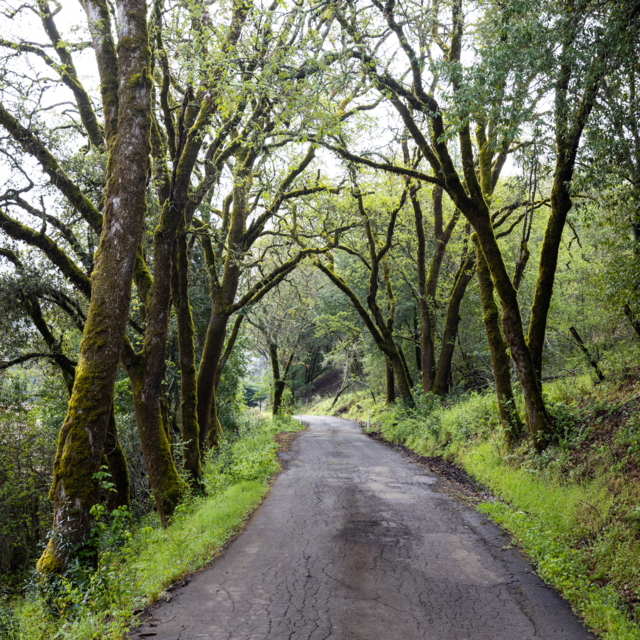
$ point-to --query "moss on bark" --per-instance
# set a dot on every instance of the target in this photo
(509, 416)
(188, 375)
(443, 372)
(118, 467)
(390, 382)
(166, 485)
(83, 434)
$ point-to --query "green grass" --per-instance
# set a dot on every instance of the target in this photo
(138, 571)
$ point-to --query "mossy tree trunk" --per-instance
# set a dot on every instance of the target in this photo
(463, 278)
(113, 452)
(405, 365)
(82, 438)
(279, 378)
(223, 290)
(118, 468)
(568, 135)
(147, 368)
(501, 363)
(278, 382)
(469, 198)
(190, 430)
(390, 382)
(428, 280)
(417, 347)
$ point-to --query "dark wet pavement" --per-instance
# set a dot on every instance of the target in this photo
(357, 542)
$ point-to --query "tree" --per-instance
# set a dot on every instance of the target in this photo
(373, 255)
(432, 125)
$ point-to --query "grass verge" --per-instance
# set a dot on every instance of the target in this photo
(137, 564)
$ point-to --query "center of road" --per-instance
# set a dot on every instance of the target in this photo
(355, 542)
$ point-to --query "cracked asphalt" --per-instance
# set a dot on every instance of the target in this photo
(357, 542)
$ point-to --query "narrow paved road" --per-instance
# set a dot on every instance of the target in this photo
(355, 541)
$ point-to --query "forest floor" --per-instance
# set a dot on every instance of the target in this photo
(357, 540)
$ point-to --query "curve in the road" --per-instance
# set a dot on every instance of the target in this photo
(355, 542)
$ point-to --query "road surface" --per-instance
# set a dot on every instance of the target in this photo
(357, 542)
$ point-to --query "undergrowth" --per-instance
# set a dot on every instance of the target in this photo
(573, 508)
(137, 563)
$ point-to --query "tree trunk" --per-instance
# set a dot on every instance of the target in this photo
(81, 442)
(443, 372)
(406, 367)
(427, 364)
(223, 293)
(568, 135)
(279, 382)
(113, 452)
(206, 383)
(401, 377)
(428, 282)
(560, 207)
(391, 382)
(537, 418)
(166, 485)
(509, 416)
(188, 375)
(418, 350)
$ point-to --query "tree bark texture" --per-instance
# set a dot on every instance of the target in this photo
(279, 378)
(417, 348)
(211, 352)
(509, 416)
(190, 430)
(118, 468)
(278, 382)
(537, 418)
(223, 293)
(443, 372)
(428, 281)
(82, 437)
(568, 135)
(390, 384)
(405, 365)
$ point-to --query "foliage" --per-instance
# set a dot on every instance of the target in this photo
(27, 449)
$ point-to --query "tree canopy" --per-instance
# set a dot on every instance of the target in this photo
(428, 197)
